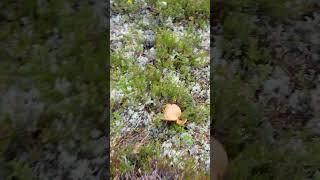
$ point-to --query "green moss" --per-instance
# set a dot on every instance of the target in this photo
(30, 59)
(125, 165)
(236, 112)
(141, 160)
(183, 9)
(166, 42)
(264, 161)
(171, 92)
(237, 25)
(147, 153)
(121, 6)
(196, 113)
(175, 57)
(21, 170)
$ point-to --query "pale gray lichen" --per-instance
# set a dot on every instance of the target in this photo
(136, 33)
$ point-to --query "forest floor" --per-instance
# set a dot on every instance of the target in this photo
(267, 87)
(53, 79)
(159, 55)
(52, 90)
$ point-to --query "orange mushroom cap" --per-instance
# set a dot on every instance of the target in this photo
(172, 112)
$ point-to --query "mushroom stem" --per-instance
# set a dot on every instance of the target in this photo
(181, 122)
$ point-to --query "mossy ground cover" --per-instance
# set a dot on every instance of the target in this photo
(264, 110)
(52, 77)
(160, 55)
(53, 81)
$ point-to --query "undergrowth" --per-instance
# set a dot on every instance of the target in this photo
(43, 47)
(166, 79)
(237, 114)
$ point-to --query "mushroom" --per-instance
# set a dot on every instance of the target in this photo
(172, 112)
